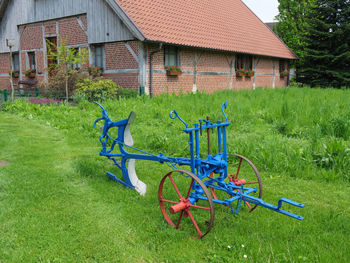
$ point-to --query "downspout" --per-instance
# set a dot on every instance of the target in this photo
(151, 69)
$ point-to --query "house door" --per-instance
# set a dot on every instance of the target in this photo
(51, 49)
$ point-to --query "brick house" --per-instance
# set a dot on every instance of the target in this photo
(134, 40)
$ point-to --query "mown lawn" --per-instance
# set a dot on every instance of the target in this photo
(57, 205)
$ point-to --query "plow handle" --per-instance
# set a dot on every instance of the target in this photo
(288, 202)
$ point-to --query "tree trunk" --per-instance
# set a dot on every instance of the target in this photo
(67, 95)
(12, 89)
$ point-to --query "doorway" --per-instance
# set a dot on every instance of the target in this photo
(51, 44)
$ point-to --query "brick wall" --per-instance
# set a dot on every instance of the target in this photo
(70, 32)
(50, 28)
(32, 37)
(5, 63)
(213, 72)
(120, 60)
(119, 57)
(121, 65)
(4, 70)
(125, 80)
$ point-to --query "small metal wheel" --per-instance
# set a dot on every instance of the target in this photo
(247, 174)
(174, 201)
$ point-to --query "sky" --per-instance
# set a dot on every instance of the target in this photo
(266, 10)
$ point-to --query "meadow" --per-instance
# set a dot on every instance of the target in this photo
(57, 204)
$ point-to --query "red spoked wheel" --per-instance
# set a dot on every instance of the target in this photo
(174, 192)
(247, 174)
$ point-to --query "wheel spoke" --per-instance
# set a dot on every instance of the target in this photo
(250, 207)
(194, 223)
(200, 207)
(189, 189)
(239, 168)
(250, 175)
(175, 186)
(182, 205)
(213, 193)
(179, 220)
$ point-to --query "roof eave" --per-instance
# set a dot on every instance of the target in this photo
(219, 50)
(296, 57)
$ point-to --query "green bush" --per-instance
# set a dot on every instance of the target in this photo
(91, 89)
(127, 93)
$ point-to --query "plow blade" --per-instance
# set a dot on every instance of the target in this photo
(128, 140)
(139, 186)
(130, 178)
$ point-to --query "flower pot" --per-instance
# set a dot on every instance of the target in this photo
(15, 75)
(31, 75)
(282, 75)
(173, 72)
(240, 74)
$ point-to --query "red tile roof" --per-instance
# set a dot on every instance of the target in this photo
(215, 24)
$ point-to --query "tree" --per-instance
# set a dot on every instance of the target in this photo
(67, 58)
(291, 25)
(326, 59)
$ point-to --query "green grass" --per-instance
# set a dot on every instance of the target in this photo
(57, 205)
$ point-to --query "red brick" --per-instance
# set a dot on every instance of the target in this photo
(70, 32)
(119, 57)
(32, 37)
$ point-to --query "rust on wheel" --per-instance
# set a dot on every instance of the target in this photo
(174, 201)
(247, 174)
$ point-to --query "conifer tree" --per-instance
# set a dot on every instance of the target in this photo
(326, 60)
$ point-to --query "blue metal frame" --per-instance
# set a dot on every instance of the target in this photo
(203, 168)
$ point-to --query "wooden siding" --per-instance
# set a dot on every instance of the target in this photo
(104, 25)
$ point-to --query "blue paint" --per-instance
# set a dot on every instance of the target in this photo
(216, 164)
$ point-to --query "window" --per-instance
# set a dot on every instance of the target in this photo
(244, 62)
(171, 56)
(15, 62)
(75, 52)
(31, 60)
(98, 56)
(284, 65)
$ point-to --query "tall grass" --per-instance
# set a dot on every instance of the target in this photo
(57, 205)
(302, 133)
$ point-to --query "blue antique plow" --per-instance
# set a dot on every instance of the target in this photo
(191, 193)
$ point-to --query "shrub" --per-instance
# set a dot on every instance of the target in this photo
(94, 72)
(91, 89)
(56, 84)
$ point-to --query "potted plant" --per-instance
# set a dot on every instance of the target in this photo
(173, 70)
(14, 73)
(250, 73)
(31, 73)
(241, 72)
(284, 73)
(94, 71)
